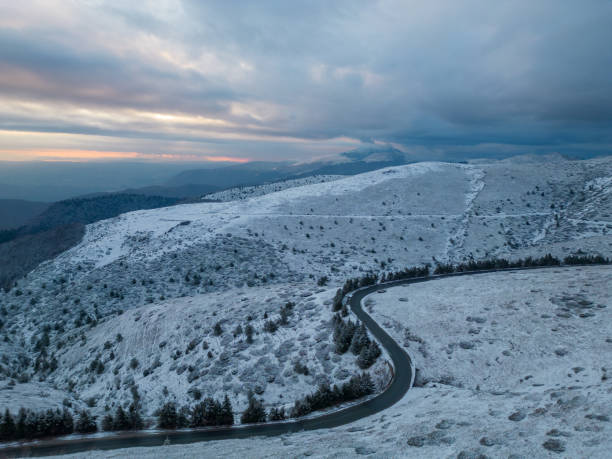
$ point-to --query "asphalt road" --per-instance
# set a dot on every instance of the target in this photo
(402, 381)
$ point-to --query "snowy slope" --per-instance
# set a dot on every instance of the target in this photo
(178, 354)
(143, 263)
(490, 403)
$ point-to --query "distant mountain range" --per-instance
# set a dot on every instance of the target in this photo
(50, 182)
(257, 173)
(376, 153)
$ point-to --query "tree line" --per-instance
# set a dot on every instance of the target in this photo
(30, 424)
(208, 412)
(472, 265)
(373, 279)
(325, 396)
(123, 420)
(529, 262)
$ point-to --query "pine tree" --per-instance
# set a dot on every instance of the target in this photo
(167, 418)
(31, 424)
(134, 418)
(366, 383)
(368, 355)
(198, 415)
(121, 421)
(337, 302)
(213, 411)
(276, 414)
(107, 423)
(343, 335)
(20, 426)
(249, 333)
(67, 421)
(7, 427)
(360, 339)
(227, 413)
(182, 417)
(254, 412)
(374, 351)
(86, 423)
(301, 408)
(363, 360)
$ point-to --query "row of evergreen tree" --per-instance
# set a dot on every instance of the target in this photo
(407, 273)
(353, 284)
(496, 263)
(586, 260)
(29, 424)
(372, 279)
(277, 414)
(529, 262)
(122, 420)
(254, 412)
(209, 412)
(325, 396)
(354, 337)
(471, 265)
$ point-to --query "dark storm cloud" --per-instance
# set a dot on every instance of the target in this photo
(433, 74)
(481, 72)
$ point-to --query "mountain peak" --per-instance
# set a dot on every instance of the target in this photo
(375, 152)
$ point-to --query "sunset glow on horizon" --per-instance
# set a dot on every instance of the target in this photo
(95, 155)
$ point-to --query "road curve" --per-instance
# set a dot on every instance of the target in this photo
(402, 381)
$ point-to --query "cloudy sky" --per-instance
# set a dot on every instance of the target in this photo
(271, 80)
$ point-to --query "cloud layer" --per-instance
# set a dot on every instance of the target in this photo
(299, 80)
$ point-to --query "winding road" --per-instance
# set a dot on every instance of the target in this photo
(402, 381)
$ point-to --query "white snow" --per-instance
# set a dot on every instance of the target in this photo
(177, 266)
(549, 397)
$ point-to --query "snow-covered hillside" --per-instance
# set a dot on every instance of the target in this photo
(165, 267)
(517, 366)
(171, 352)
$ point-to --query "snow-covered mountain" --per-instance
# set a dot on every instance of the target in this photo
(374, 152)
(513, 365)
(135, 304)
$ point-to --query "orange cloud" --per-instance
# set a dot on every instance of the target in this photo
(226, 158)
(96, 155)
